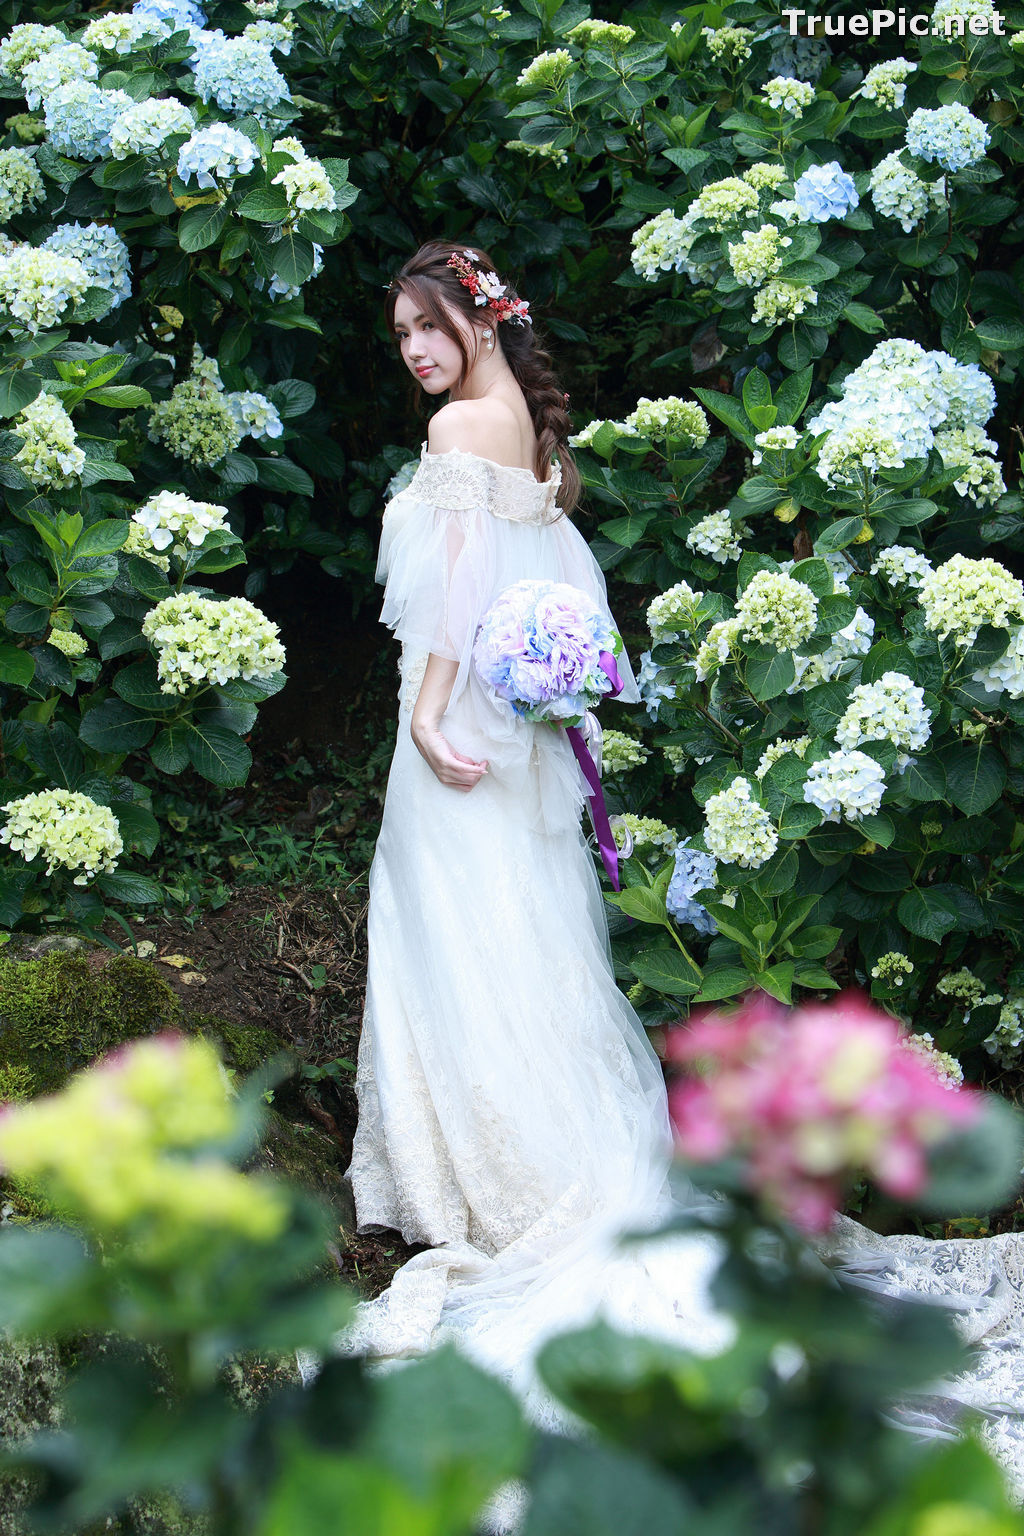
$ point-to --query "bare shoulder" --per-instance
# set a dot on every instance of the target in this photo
(485, 427)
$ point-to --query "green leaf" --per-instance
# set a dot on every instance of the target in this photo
(293, 397)
(838, 535)
(218, 755)
(102, 538)
(169, 749)
(864, 319)
(888, 656)
(767, 677)
(1000, 335)
(627, 530)
(666, 970)
(116, 727)
(602, 1491)
(878, 828)
(923, 779)
(816, 574)
(824, 706)
(200, 227)
(17, 389)
(757, 391)
(140, 830)
(928, 914)
(640, 902)
(723, 981)
(777, 981)
(32, 582)
(798, 819)
(123, 396)
(728, 410)
(134, 890)
(284, 475)
(267, 205)
(975, 775)
(17, 667)
(138, 684)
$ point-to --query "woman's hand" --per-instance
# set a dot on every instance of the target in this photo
(449, 765)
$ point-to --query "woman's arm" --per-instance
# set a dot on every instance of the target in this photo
(449, 765)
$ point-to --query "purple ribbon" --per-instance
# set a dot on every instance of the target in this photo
(598, 810)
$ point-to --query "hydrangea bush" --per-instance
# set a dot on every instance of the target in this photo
(161, 216)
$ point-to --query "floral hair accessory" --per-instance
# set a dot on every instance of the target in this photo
(486, 289)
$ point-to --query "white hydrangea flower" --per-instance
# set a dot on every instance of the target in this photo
(757, 255)
(777, 749)
(649, 831)
(672, 611)
(68, 828)
(663, 243)
(142, 128)
(773, 609)
(719, 646)
(847, 783)
(981, 479)
(778, 301)
(765, 176)
(138, 543)
(891, 709)
(718, 537)
(21, 184)
(946, 1067)
(585, 437)
(853, 640)
(620, 752)
(901, 564)
(788, 94)
(1007, 673)
(203, 640)
(730, 45)
(547, 71)
(774, 440)
(68, 641)
(899, 193)
(24, 44)
(123, 32)
(50, 455)
(216, 153)
(962, 985)
(737, 829)
(57, 66)
(276, 35)
(170, 518)
(669, 416)
(36, 286)
(893, 968)
(963, 594)
(307, 186)
(1005, 1041)
(539, 151)
(850, 451)
(601, 34)
(886, 83)
(254, 413)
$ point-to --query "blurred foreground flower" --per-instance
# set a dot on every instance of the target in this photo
(810, 1098)
(127, 1148)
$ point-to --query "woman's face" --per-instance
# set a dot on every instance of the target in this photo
(430, 356)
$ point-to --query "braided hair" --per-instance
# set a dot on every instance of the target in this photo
(432, 284)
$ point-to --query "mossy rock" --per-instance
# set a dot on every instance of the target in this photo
(59, 1013)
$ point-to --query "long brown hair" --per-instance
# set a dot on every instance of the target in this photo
(429, 282)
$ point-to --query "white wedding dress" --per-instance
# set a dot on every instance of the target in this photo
(512, 1112)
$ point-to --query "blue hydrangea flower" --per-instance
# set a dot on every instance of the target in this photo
(279, 289)
(651, 691)
(102, 253)
(239, 73)
(825, 192)
(178, 14)
(216, 153)
(950, 135)
(694, 871)
(79, 117)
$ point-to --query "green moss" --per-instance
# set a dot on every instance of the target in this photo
(59, 1013)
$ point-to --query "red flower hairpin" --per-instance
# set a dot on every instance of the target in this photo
(486, 289)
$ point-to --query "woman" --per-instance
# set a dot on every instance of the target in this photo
(513, 1114)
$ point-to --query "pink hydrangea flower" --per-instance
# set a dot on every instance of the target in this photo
(811, 1098)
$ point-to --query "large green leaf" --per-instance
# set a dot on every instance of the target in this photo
(138, 684)
(17, 389)
(134, 890)
(200, 227)
(102, 538)
(928, 914)
(16, 666)
(666, 970)
(975, 775)
(640, 902)
(723, 981)
(115, 727)
(219, 755)
(768, 676)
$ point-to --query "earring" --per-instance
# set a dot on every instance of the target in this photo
(489, 334)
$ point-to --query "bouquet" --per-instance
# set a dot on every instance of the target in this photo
(547, 648)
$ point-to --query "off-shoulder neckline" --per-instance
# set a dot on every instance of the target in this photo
(512, 469)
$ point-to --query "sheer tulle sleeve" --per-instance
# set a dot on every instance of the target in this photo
(462, 531)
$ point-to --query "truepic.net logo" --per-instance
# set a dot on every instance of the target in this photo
(874, 23)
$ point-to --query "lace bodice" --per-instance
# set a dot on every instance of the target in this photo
(457, 481)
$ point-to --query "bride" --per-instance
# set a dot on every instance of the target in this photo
(512, 1112)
